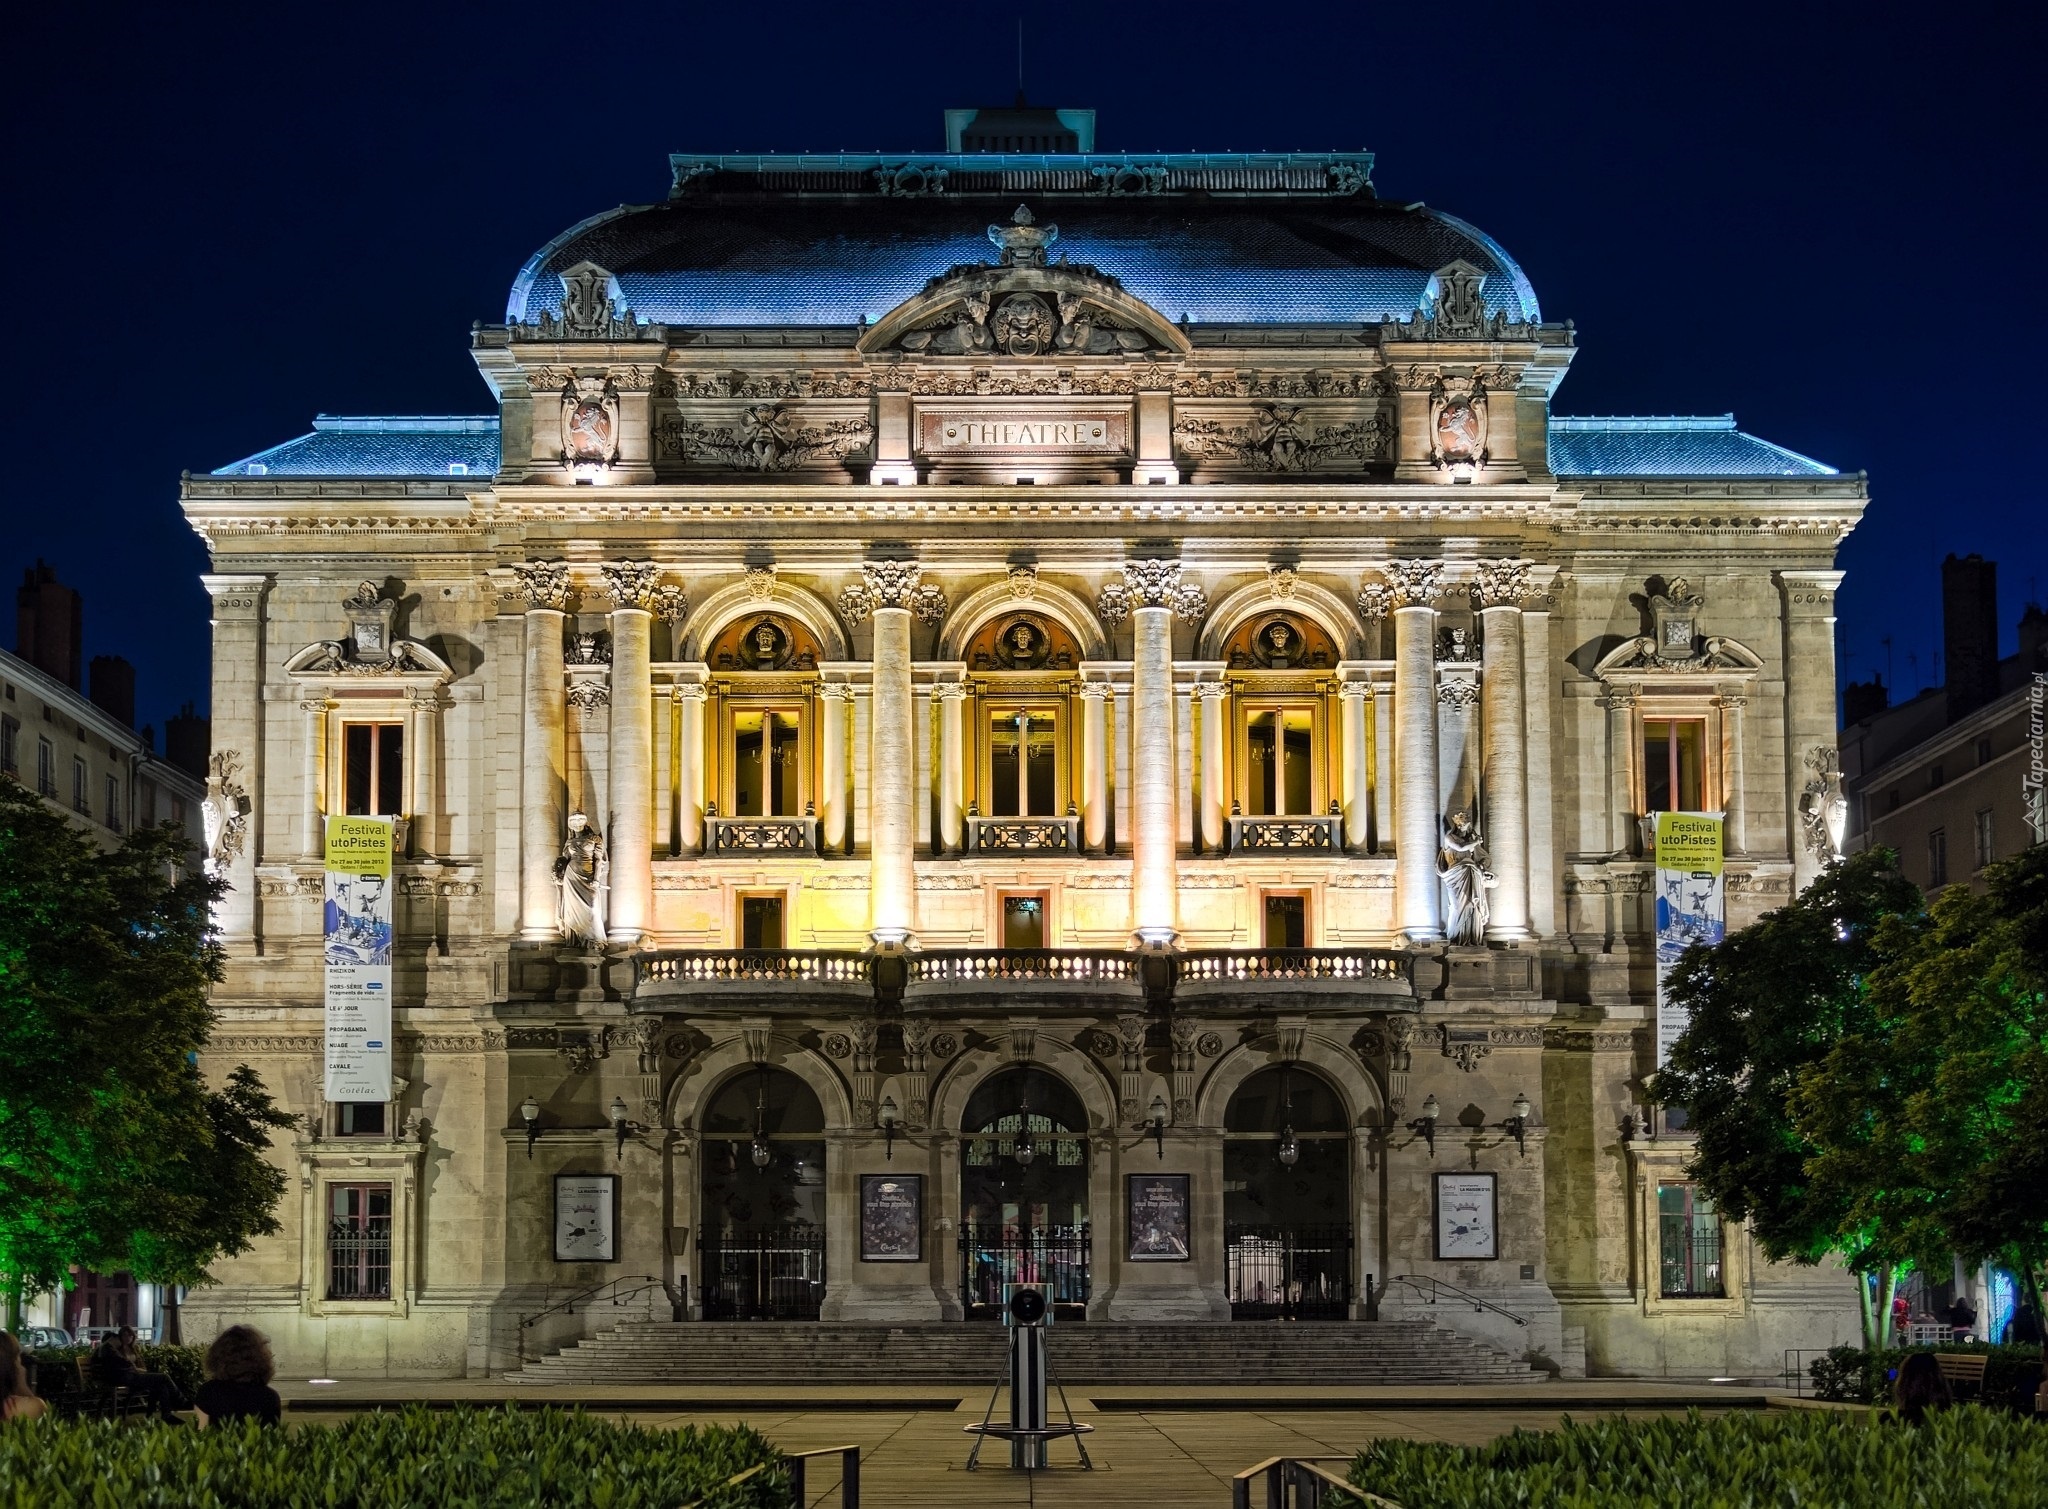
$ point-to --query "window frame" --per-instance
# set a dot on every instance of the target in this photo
(81, 786)
(1652, 707)
(1268, 895)
(46, 768)
(375, 724)
(778, 894)
(1985, 835)
(994, 703)
(1696, 1220)
(111, 816)
(1937, 857)
(732, 706)
(1247, 705)
(1007, 894)
(367, 1242)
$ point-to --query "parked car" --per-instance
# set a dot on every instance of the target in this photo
(40, 1338)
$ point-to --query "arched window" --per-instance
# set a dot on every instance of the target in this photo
(1024, 1190)
(1287, 1197)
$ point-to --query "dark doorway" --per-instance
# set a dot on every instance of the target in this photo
(761, 1220)
(1287, 1198)
(1024, 1192)
(1286, 921)
(761, 922)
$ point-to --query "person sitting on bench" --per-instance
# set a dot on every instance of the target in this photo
(115, 1365)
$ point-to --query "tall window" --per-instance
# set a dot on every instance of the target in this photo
(1023, 763)
(359, 1241)
(112, 815)
(761, 922)
(1689, 1240)
(10, 742)
(1987, 847)
(1937, 857)
(373, 769)
(1280, 751)
(46, 768)
(81, 787)
(764, 767)
(1286, 921)
(1674, 764)
(145, 802)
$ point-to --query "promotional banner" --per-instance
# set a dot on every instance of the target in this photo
(358, 957)
(1689, 904)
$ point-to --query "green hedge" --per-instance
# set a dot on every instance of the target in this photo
(57, 1370)
(411, 1459)
(1779, 1459)
(1851, 1375)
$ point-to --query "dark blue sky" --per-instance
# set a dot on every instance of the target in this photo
(1825, 219)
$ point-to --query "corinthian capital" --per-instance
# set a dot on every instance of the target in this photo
(892, 584)
(544, 584)
(630, 584)
(1409, 584)
(1151, 584)
(1501, 584)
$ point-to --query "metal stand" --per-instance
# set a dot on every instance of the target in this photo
(1030, 1424)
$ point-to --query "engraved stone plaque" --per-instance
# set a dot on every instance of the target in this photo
(993, 433)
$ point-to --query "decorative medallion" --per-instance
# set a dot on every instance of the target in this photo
(1457, 422)
(838, 1045)
(944, 1045)
(1209, 1044)
(590, 422)
(1022, 325)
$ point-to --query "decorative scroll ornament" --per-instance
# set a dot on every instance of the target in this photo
(1674, 619)
(1501, 584)
(1409, 584)
(588, 696)
(1457, 422)
(1276, 439)
(1467, 1053)
(224, 812)
(372, 647)
(588, 649)
(760, 583)
(1023, 242)
(892, 584)
(544, 584)
(1457, 692)
(1375, 601)
(911, 180)
(630, 584)
(1823, 807)
(767, 438)
(1151, 584)
(669, 603)
(590, 422)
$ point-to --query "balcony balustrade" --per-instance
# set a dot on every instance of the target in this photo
(760, 835)
(1023, 835)
(1209, 973)
(719, 975)
(954, 974)
(1318, 834)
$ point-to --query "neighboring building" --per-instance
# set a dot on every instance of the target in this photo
(1028, 665)
(1952, 778)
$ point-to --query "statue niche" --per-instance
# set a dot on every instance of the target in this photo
(1280, 642)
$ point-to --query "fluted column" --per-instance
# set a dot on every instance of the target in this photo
(1503, 757)
(631, 748)
(1151, 593)
(423, 714)
(689, 693)
(543, 750)
(951, 697)
(1215, 703)
(1621, 762)
(1094, 765)
(889, 593)
(1418, 825)
(1735, 832)
(835, 699)
(1352, 697)
(312, 830)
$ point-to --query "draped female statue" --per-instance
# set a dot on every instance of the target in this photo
(584, 872)
(1462, 865)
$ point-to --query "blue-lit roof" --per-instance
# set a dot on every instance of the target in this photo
(1707, 446)
(429, 445)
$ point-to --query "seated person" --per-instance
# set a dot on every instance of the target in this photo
(238, 1374)
(115, 1365)
(1920, 1389)
(17, 1400)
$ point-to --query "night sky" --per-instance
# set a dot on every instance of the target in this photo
(227, 219)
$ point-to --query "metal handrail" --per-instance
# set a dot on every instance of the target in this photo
(795, 1461)
(1416, 1281)
(1314, 1486)
(641, 1282)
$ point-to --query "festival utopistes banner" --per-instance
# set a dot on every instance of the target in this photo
(1690, 905)
(357, 918)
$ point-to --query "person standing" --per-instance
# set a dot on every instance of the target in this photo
(238, 1373)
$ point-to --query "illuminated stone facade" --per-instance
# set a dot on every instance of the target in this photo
(1031, 668)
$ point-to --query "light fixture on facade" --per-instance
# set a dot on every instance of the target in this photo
(759, 1150)
(529, 1112)
(1424, 1126)
(1159, 1109)
(1290, 1149)
(886, 1114)
(623, 1128)
(1517, 1124)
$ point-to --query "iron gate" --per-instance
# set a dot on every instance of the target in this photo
(1288, 1273)
(993, 1257)
(762, 1275)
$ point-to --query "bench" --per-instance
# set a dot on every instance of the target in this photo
(1962, 1369)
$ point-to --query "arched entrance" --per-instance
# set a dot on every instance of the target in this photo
(1287, 1198)
(761, 1213)
(1023, 1191)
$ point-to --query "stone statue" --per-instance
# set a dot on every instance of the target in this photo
(1823, 807)
(584, 872)
(1462, 865)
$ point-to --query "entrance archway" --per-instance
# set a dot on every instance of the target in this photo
(1023, 1191)
(761, 1224)
(1287, 1198)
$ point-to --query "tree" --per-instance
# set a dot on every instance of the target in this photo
(1765, 1006)
(114, 1153)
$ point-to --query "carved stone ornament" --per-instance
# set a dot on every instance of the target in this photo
(588, 696)
(630, 584)
(372, 648)
(590, 311)
(1209, 1044)
(1457, 692)
(647, 1040)
(1023, 242)
(1674, 620)
(225, 810)
(1466, 1054)
(1410, 584)
(1823, 807)
(1501, 584)
(766, 438)
(892, 584)
(838, 1045)
(1024, 582)
(588, 649)
(760, 583)
(1457, 422)
(590, 422)
(1458, 647)
(543, 584)
(1277, 439)
(911, 180)
(1151, 584)
(1454, 308)
(945, 1044)
(669, 603)
(1375, 601)
(1281, 582)
(1101, 1044)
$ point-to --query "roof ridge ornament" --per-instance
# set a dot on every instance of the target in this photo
(1022, 242)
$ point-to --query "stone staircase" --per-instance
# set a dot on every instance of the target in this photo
(680, 1354)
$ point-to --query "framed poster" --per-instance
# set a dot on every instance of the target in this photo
(586, 1218)
(1467, 1215)
(1156, 1217)
(892, 1218)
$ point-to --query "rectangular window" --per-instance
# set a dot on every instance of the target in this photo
(1024, 921)
(81, 788)
(1023, 763)
(10, 745)
(1987, 849)
(1935, 778)
(1286, 921)
(1689, 1239)
(359, 1241)
(1937, 857)
(761, 922)
(112, 815)
(764, 764)
(1893, 804)
(359, 1118)
(1280, 756)
(46, 768)
(373, 769)
(1983, 751)
(1674, 764)
(145, 802)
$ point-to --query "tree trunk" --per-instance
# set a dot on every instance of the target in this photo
(1869, 1317)
(1887, 1291)
(2028, 1278)
(13, 1306)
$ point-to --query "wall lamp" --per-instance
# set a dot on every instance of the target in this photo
(1517, 1125)
(1158, 1125)
(529, 1112)
(886, 1115)
(621, 1127)
(1424, 1126)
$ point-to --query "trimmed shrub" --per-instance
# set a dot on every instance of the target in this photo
(1851, 1375)
(57, 1367)
(409, 1459)
(1780, 1459)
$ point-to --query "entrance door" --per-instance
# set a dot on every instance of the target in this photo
(1024, 1192)
(1287, 1199)
(761, 1211)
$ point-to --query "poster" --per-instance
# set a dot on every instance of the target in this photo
(586, 1218)
(1156, 1215)
(1690, 905)
(1467, 1216)
(356, 925)
(891, 1218)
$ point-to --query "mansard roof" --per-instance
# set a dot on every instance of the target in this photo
(1706, 446)
(1235, 238)
(422, 445)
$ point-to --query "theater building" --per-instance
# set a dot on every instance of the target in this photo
(1010, 716)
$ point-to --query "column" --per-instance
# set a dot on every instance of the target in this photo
(1503, 770)
(1352, 696)
(1153, 592)
(1094, 764)
(1383, 766)
(1538, 688)
(1215, 705)
(311, 829)
(1418, 824)
(835, 699)
(689, 692)
(1809, 608)
(889, 593)
(1620, 702)
(235, 768)
(544, 748)
(1736, 804)
(630, 749)
(423, 707)
(951, 697)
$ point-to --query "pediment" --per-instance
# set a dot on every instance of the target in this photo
(1056, 311)
(1634, 659)
(334, 659)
